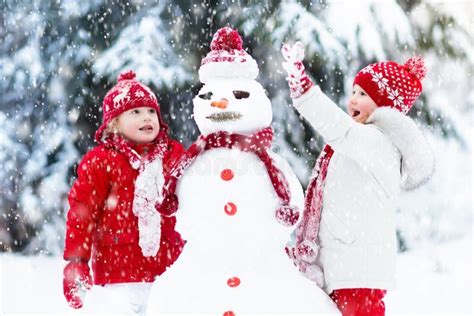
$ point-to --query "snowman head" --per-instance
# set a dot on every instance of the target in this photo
(230, 100)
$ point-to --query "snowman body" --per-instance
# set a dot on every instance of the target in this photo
(234, 260)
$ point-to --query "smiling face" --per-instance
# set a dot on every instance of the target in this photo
(360, 105)
(140, 125)
(234, 106)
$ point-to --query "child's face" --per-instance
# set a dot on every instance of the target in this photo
(360, 105)
(140, 125)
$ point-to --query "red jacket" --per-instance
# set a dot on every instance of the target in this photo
(100, 222)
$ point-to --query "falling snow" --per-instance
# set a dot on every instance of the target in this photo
(58, 59)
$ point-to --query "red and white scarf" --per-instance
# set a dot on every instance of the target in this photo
(308, 228)
(149, 184)
(259, 144)
(303, 249)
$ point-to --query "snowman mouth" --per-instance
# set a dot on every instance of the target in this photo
(225, 116)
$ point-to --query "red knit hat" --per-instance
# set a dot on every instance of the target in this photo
(127, 94)
(392, 84)
(227, 58)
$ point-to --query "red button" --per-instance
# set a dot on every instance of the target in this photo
(227, 174)
(229, 313)
(230, 209)
(233, 282)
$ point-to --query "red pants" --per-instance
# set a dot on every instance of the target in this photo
(360, 302)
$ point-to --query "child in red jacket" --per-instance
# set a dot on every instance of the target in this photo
(113, 216)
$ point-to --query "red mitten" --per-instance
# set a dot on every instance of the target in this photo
(304, 257)
(307, 251)
(169, 206)
(298, 80)
(76, 279)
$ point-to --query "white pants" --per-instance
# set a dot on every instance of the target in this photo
(117, 299)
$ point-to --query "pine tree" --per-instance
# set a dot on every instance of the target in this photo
(59, 58)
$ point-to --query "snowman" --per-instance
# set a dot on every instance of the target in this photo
(238, 202)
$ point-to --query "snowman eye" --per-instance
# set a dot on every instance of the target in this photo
(206, 96)
(238, 94)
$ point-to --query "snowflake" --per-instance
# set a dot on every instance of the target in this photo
(139, 94)
(396, 97)
(380, 80)
(368, 69)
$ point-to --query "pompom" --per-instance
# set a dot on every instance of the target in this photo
(227, 39)
(127, 75)
(307, 251)
(416, 67)
(287, 215)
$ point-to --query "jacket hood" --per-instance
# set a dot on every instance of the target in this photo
(417, 159)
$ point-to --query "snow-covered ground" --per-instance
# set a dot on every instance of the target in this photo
(435, 280)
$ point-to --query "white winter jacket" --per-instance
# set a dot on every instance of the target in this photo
(370, 164)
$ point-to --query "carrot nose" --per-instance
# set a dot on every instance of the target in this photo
(221, 104)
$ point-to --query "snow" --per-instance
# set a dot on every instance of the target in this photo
(358, 26)
(146, 49)
(436, 209)
(215, 239)
(309, 27)
(54, 59)
(46, 54)
(433, 280)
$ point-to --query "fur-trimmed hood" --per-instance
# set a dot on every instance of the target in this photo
(417, 165)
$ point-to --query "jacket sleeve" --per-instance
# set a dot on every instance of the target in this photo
(339, 130)
(86, 200)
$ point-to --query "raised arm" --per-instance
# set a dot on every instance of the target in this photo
(337, 128)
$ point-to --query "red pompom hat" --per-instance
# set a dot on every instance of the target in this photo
(127, 94)
(392, 84)
(227, 58)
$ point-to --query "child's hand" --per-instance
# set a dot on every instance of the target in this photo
(304, 257)
(169, 206)
(307, 251)
(76, 280)
(298, 80)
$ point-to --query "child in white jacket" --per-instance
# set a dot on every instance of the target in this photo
(372, 152)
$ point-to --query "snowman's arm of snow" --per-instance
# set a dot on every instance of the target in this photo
(296, 190)
(183, 224)
(172, 157)
(359, 142)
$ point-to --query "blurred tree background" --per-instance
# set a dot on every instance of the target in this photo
(59, 58)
